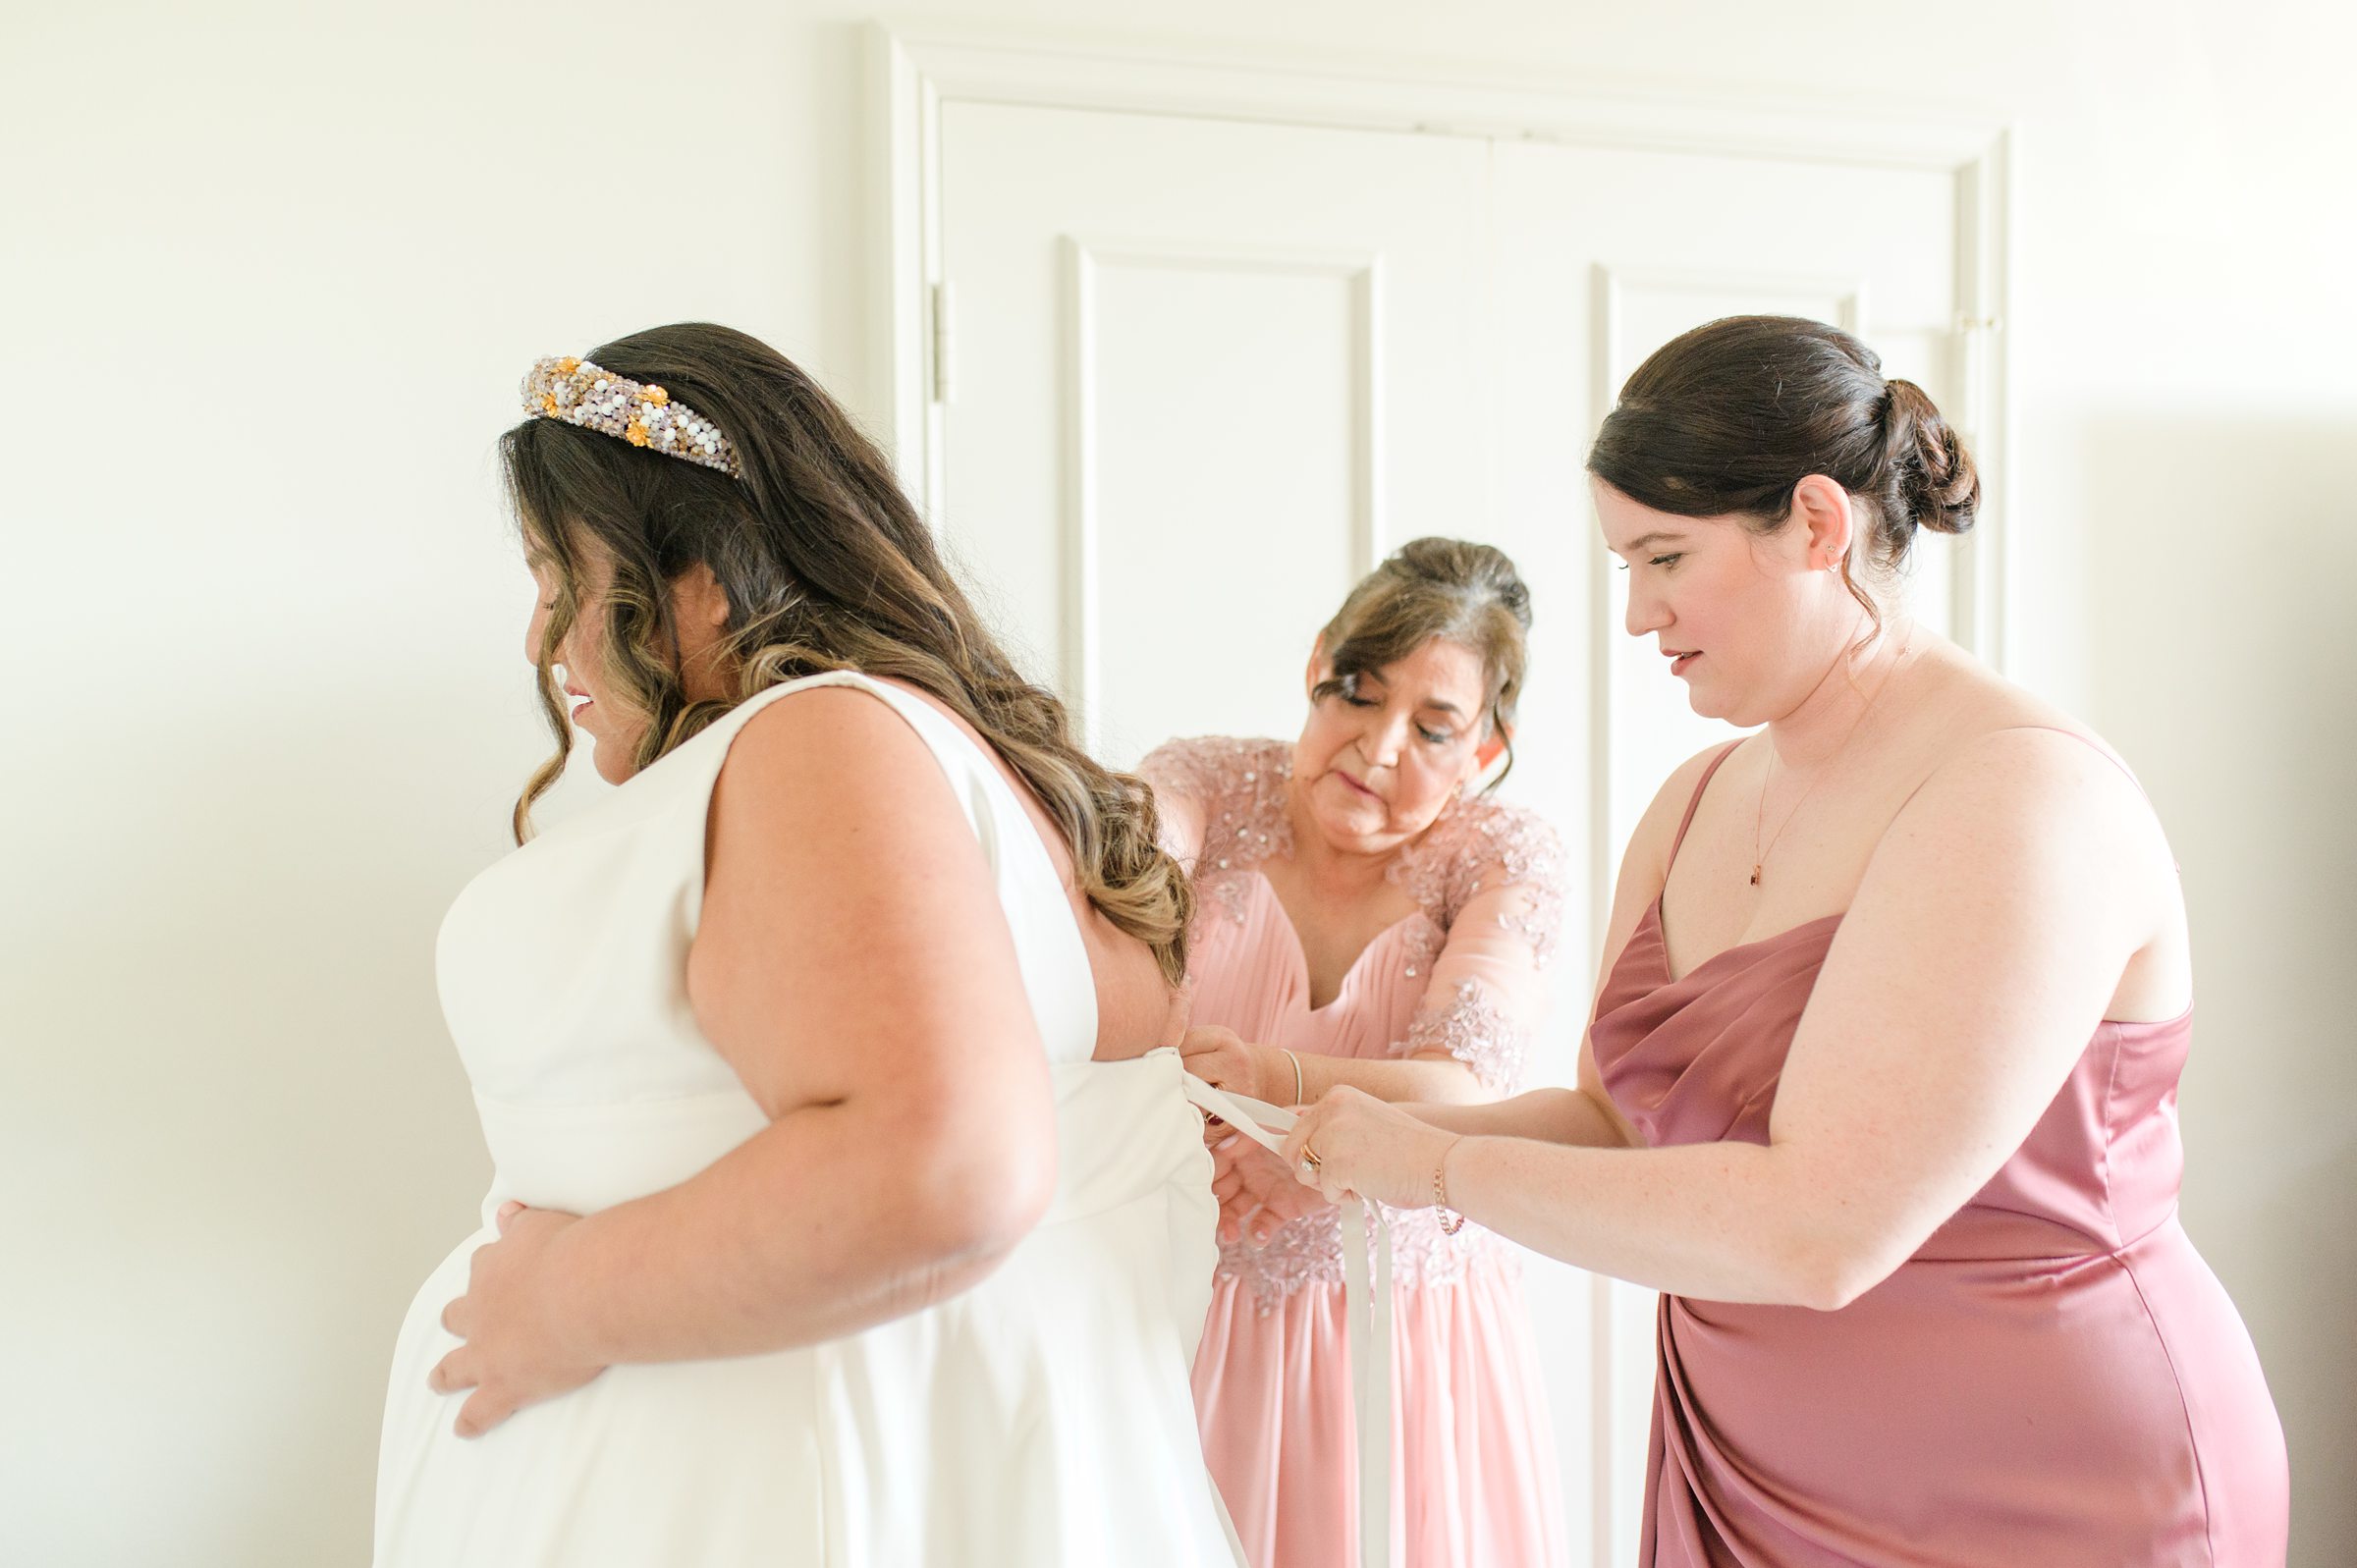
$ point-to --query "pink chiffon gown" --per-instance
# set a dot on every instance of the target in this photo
(1473, 1456)
(2056, 1378)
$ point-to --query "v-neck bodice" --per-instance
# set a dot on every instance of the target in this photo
(1260, 956)
(1358, 960)
(1697, 1058)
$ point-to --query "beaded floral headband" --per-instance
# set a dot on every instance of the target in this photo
(590, 395)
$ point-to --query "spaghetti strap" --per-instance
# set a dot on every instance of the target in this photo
(1687, 821)
(2104, 752)
(2107, 754)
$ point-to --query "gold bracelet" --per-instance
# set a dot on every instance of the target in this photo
(1297, 1061)
(1440, 1190)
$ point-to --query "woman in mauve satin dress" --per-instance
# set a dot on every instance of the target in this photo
(1880, 1087)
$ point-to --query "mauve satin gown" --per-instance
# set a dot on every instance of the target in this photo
(2056, 1378)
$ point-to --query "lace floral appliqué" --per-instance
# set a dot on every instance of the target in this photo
(1241, 784)
(1309, 1251)
(1475, 844)
(1483, 842)
(1477, 1032)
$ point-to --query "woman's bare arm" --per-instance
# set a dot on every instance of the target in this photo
(1985, 943)
(1585, 1115)
(1258, 1191)
(854, 966)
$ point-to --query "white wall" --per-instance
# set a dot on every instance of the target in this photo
(271, 275)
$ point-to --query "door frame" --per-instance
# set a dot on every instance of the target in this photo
(912, 72)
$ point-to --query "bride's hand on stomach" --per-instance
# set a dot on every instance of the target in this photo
(513, 1355)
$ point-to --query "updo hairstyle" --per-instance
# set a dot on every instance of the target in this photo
(1727, 418)
(1452, 589)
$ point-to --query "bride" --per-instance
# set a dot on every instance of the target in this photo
(849, 1208)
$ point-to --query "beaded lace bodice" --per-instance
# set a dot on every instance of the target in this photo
(1463, 975)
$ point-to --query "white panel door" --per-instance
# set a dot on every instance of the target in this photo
(1205, 375)
(1206, 372)
(1602, 256)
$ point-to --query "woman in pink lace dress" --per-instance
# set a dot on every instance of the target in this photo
(1367, 916)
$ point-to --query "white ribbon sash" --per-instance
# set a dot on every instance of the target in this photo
(1366, 1306)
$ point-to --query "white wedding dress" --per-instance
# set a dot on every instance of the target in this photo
(1041, 1418)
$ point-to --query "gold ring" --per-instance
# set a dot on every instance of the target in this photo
(1310, 1161)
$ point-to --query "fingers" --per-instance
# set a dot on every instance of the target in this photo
(1301, 1136)
(1287, 1199)
(1212, 1068)
(1248, 1219)
(1207, 1037)
(481, 1412)
(1235, 1205)
(1311, 1147)
(453, 1372)
(1289, 1150)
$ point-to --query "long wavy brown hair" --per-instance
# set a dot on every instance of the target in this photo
(826, 566)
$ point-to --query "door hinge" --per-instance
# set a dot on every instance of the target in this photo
(945, 383)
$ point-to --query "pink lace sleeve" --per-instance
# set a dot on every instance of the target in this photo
(1490, 877)
(1182, 787)
(1221, 803)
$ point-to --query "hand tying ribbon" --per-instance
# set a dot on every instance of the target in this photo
(1366, 1302)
